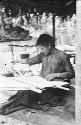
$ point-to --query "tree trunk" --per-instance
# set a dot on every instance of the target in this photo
(78, 66)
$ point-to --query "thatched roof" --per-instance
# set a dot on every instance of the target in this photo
(59, 7)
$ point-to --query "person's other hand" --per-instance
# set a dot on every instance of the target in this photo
(50, 77)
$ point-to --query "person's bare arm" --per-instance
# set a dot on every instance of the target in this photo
(67, 74)
(69, 71)
(31, 61)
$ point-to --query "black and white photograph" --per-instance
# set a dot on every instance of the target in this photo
(40, 67)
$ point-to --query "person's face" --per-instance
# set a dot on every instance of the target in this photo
(43, 50)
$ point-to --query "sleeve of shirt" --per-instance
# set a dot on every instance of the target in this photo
(35, 60)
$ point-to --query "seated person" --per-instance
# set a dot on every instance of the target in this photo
(55, 65)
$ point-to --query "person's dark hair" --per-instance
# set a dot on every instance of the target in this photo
(45, 40)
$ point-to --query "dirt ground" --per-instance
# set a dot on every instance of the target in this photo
(34, 117)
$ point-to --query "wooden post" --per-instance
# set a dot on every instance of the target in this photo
(53, 20)
(36, 21)
(40, 16)
(28, 17)
(78, 64)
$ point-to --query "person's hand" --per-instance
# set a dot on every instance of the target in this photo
(22, 61)
(50, 77)
(15, 61)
